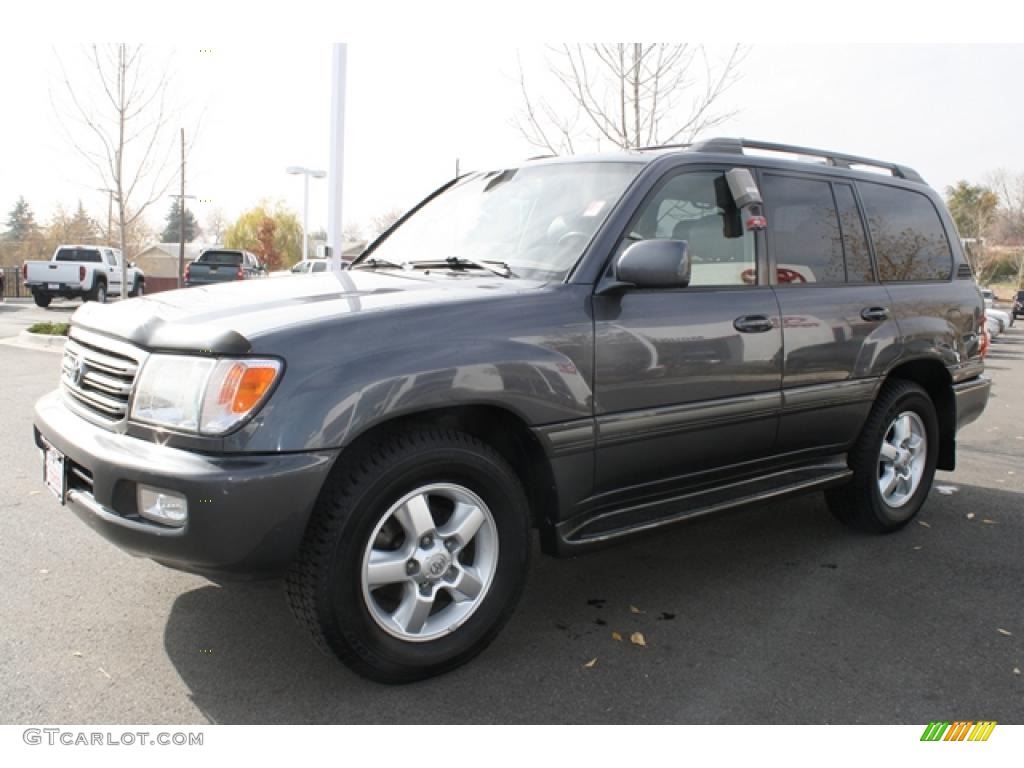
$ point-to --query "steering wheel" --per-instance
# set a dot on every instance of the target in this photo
(565, 240)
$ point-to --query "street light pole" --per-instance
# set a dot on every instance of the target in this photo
(295, 170)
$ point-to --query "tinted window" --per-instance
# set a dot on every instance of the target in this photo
(910, 243)
(804, 230)
(855, 239)
(221, 257)
(78, 254)
(697, 207)
(319, 266)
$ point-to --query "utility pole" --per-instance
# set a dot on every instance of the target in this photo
(110, 214)
(335, 175)
(181, 216)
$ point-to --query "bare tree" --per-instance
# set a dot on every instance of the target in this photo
(216, 224)
(115, 112)
(628, 95)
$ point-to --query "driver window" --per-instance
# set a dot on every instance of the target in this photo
(698, 208)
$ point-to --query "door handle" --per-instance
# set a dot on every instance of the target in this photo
(752, 324)
(875, 314)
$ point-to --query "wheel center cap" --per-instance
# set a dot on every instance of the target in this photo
(437, 565)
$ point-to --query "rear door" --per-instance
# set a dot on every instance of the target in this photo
(687, 380)
(838, 324)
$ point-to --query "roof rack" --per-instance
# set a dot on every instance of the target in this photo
(839, 160)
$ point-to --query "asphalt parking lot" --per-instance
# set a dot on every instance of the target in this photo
(775, 614)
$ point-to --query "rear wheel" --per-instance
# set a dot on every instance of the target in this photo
(415, 556)
(99, 292)
(41, 299)
(893, 461)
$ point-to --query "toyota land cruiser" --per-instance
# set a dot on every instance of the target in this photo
(588, 347)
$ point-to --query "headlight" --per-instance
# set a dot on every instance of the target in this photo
(204, 395)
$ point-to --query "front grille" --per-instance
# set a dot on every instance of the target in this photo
(98, 379)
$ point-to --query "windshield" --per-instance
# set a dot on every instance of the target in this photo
(221, 257)
(537, 220)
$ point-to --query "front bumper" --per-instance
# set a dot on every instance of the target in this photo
(971, 398)
(246, 513)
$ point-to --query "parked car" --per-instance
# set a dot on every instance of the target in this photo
(304, 267)
(223, 265)
(587, 347)
(1018, 305)
(1005, 319)
(88, 272)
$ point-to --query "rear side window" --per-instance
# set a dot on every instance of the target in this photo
(319, 266)
(79, 254)
(910, 241)
(804, 230)
(233, 258)
(855, 239)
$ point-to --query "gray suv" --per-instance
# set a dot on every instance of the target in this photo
(586, 347)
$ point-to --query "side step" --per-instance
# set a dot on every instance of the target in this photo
(574, 536)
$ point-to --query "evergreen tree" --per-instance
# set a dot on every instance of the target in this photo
(21, 222)
(172, 232)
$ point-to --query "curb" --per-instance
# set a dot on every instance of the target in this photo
(39, 341)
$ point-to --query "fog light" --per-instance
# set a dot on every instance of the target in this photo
(162, 506)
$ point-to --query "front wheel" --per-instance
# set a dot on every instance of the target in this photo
(99, 293)
(415, 556)
(138, 288)
(893, 461)
(41, 299)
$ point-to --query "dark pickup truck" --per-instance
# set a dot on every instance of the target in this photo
(221, 265)
(587, 347)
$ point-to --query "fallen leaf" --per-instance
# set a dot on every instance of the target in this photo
(666, 616)
(987, 521)
(591, 663)
(923, 524)
(970, 515)
(1002, 631)
(1016, 670)
(1010, 472)
(600, 622)
(34, 493)
(44, 571)
(916, 549)
(634, 609)
(101, 669)
(597, 602)
(946, 490)
(637, 638)
(77, 653)
(616, 636)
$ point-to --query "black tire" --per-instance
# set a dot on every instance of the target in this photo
(41, 300)
(138, 288)
(325, 584)
(99, 292)
(860, 504)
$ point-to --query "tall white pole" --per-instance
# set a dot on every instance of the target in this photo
(335, 171)
(305, 216)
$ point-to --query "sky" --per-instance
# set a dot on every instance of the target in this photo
(415, 106)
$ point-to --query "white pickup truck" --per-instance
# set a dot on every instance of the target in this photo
(91, 272)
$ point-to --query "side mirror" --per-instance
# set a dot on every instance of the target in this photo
(654, 264)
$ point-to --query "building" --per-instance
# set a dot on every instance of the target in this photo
(161, 259)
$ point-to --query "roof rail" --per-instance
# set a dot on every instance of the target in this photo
(837, 159)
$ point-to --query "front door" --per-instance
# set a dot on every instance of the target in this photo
(687, 380)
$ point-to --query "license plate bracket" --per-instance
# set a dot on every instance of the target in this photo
(55, 473)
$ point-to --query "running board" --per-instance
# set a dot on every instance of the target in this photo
(574, 537)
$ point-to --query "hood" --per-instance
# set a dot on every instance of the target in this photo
(225, 318)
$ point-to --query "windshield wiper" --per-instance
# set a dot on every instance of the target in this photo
(501, 270)
(373, 263)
